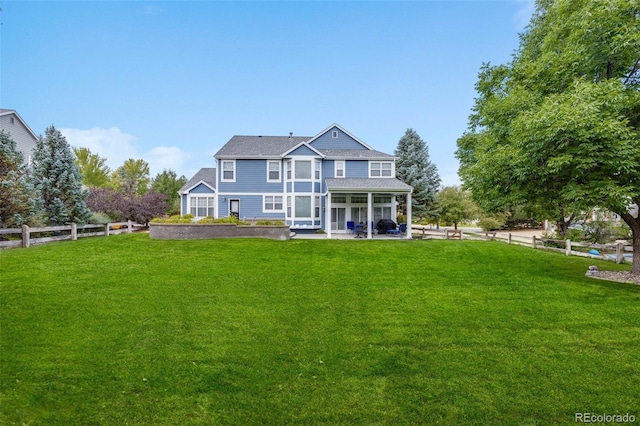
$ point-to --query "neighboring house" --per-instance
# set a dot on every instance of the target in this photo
(317, 182)
(21, 134)
(197, 197)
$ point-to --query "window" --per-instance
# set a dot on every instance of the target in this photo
(381, 213)
(359, 214)
(288, 170)
(338, 198)
(317, 170)
(380, 169)
(334, 134)
(303, 206)
(273, 171)
(359, 199)
(339, 168)
(288, 206)
(380, 199)
(317, 207)
(273, 203)
(303, 169)
(201, 206)
(228, 171)
(12, 120)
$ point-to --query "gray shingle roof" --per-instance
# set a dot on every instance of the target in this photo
(353, 153)
(368, 184)
(259, 146)
(206, 175)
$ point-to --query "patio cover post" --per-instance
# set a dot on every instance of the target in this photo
(369, 208)
(409, 215)
(327, 216)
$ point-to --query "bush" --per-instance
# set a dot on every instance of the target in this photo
(99, 219)
(270, 222)
(173, 219)
(491, 223)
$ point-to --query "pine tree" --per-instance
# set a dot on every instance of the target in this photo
(414, 168)
(57, 179)
(17, 196)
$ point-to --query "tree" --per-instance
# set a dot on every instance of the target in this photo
(456, 205)
(132, 177)
(57, 180)
(169, 184)
(559, 126)
(119, 206)
(17, 196)
(414, 168)
(92, 167)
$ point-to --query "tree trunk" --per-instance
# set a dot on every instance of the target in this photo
(634, 224)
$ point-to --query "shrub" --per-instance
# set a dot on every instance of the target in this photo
(491, 223)
(173, 219)
(270, 222)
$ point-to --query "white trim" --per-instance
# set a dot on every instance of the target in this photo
(339, 127)
(298, 146)
(11, 111)
(199, 195)
(235, 171)
(335, 168)
(279, 162)
(274, 210)
(392, 171)
(186, 191)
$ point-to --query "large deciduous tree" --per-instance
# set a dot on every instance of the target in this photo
(18, 200)
(559, 126)
(57, 180)
(92, 167)
(456, 206)
(132, 177)
(414, 168)
(168, 183)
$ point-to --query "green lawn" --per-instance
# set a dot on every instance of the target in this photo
(128, 330)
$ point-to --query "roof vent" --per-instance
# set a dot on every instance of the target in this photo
(290, 135)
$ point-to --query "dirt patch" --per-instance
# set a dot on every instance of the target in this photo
(619, 276)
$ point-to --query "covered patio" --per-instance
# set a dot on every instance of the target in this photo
(366, 191)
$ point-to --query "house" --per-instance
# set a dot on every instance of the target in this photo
(311, 182)
(197, 196)
(22, 135)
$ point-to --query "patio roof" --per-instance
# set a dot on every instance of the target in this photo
(388, 185)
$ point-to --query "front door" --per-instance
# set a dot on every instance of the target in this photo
(234, 208)
(338, 218)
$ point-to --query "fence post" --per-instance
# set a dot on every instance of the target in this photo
(25, 236)
(106, 230)
(74, 232)
(461, 235)
(533, 242)
(509, 238)
(568, 248)
(129, 226)
(446, 234)
(619, 252)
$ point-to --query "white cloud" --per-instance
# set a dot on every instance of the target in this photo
(117, 147)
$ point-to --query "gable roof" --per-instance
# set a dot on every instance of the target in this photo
(11, 111)
(259, 146)
(205, 176)
(302, 144)
(339, 127)
(343, 154)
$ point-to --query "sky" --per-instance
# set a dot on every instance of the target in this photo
(170, 82)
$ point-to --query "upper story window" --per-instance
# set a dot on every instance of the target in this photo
(273, 171)
(334, 134)
(317, 169)
(228, 171)
(381, 169)
(303, 169)
(339, 168)
(288, 166)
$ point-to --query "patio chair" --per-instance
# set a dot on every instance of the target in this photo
(359, 230)
(400, 230)
(351, 227)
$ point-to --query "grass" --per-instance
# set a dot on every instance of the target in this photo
(128, 330)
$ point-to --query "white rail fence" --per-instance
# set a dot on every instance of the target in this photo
(618, 252)
(28, 236)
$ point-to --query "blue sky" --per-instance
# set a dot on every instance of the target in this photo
(172, 81)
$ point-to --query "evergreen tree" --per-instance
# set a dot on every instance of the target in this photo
(17, 196)
(414, 168)
(57, 179)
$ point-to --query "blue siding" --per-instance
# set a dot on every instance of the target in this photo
(303, 150)
(316, 187)
(251, 176)
(343, 141)
(289, 186)
(250, 207)
(201, 189)
(357, 169)
(303, 186)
